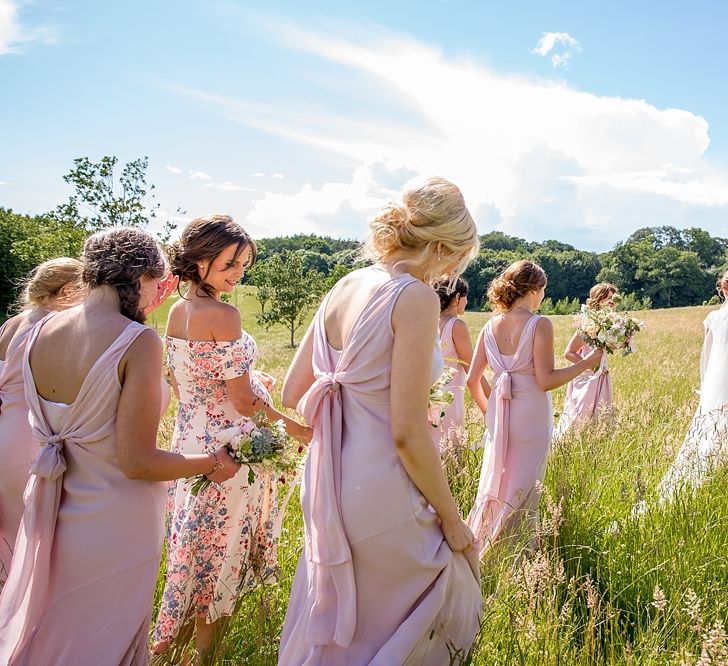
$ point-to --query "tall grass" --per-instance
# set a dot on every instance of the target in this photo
(603, 587)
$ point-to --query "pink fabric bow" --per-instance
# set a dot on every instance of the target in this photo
(333, 616)
(50, 463)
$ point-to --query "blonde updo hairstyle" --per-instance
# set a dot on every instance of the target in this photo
(519, 279)
(599, 294)
(44, 287)
(432, 221)
(204, 239)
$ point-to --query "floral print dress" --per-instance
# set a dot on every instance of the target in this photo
(221, 542)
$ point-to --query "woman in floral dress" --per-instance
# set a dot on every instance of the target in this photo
(220, 542)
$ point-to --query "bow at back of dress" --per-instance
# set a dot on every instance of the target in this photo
(90, 419)
(356, 370)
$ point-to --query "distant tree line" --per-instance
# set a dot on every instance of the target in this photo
(655, 267)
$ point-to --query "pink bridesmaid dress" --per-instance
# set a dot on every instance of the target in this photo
(377, 583)
(587, 396)
(517, 440)
(454, 412)
(18, 449)
(81, 583)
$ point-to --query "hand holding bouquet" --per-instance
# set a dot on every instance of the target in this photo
(440, 397)
(258, 443)
(607, 329)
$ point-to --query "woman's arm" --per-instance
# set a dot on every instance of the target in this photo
(571, 353)
(463, 344)
(300, 374)
(245, 400)
(476, 375)
(137, 420)
(547, 376)
(414, 320)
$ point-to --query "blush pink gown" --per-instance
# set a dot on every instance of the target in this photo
(377, 583)
(18, 449)
(517, 440)
(587, 396)
(454, 412)
(82, 579)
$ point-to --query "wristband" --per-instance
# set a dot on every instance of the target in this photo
(218, 465)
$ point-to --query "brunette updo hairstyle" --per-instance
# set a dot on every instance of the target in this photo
(446, 292)
(431, 218)
(120, 257)
(43, 287)
(205, 238)
(599, 294)
(721, 284)
(520, 278)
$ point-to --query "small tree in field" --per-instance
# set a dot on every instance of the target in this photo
(286, 291)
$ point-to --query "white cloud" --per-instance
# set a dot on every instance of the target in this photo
(552, 40)
(279, 176)
(4, 183)
(13, 35)
(532, 156)
(229, 186)
(173, 169)
(198, 175)
(257, 174)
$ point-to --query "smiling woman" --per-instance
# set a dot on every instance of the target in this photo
(221, 540)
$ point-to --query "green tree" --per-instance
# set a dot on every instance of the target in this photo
(106, 197)
(290, 291)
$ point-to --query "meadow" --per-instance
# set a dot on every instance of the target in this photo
(603, 587)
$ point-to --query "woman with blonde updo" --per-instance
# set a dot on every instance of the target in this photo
(54, 285)
(222, 541)
(519, 347)
(589, 395)
(388, 574)
(81, 584)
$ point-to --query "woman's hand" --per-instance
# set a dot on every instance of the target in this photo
(594, 359)
(457, 534)
(227, 468)
(301, 432)
(166, 286)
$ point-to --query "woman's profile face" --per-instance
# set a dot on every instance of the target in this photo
(225, 271)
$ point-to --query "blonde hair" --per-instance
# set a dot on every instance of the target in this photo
(599, 294)
(431, 218)
(43, 286)
(520, 278)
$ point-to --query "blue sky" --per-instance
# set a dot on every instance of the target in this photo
(569, 120)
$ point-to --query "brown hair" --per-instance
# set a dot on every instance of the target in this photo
(205, 238)
(599, 294)
(721, 284)
(430, 217)
(42, 288)
(446, 292)
(120, 257)
(520, 278)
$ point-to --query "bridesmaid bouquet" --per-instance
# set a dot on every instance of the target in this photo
(440, 397)
(607, 329)
(256, 442)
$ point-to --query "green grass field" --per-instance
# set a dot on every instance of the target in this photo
(603, 588)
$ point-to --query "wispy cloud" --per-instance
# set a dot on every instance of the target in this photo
(566, 44)
(4, 183)
(14, 35)
(173, 169)
(279, 176)
(533, 157)
(229, 186)
(257, 174)
(198, 175)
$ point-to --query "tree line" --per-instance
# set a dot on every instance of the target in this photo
(658, 267)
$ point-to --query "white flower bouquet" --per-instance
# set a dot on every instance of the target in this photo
(257, 443)
(440, 397)
(607, 329)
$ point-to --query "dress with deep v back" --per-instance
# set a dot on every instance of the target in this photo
(376, 583)
(81, 583)
(516, 442)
